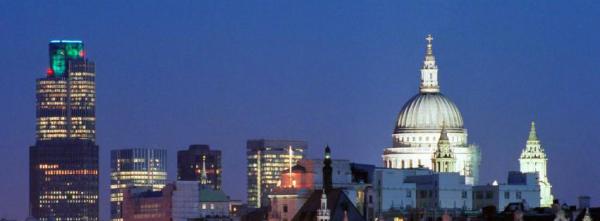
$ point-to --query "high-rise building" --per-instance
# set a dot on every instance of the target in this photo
(266, 159)
(189, 164)
(419, 124)
(533, 160)
(141, 168)
(63, 163)
(66, 97)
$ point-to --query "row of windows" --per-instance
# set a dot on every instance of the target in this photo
(490, 195)
(424, 138)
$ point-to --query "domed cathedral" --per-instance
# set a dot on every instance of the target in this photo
(423, 120)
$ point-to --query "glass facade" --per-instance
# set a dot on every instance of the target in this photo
(266, 159)
(135, 168)
(189, 164)
(66, 102)
(64, 180)
(64, 161)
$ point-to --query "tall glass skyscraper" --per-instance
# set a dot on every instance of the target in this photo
(141, 168)
(63, 163)
(266, 159)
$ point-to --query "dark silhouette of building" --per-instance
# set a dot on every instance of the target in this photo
(63, 180)
(189, 164)
(63, 163)
(339, 205)
(327, 176)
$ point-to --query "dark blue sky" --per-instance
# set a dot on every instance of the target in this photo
(221, 72)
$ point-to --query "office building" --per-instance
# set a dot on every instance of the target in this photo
(189, 163)
(147, 205)
(266, 159)
(141, 168)
(520, 188)
(66, 97)
(63, 163)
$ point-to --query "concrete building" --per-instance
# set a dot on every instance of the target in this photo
(192, 200)
(400, 192)
(147, 205)
(521, 187)
(442, 190)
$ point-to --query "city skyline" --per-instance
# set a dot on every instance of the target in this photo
(333, 79)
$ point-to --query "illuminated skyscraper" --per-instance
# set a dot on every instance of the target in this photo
(266, 159)
(63, 166)
(135, 168)
(189, 164)
(66, 97)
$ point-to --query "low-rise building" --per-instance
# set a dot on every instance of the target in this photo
(521, 187)
(147, 205)
(295, 186)
(193, 201)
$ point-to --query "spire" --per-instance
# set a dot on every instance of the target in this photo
(532, 133)
(323, 212)
(429, 39)
(444, 133)
(429, 75)
(443, 158)
(587, 216)
(203, 177)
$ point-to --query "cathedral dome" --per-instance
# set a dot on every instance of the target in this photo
(429, 111)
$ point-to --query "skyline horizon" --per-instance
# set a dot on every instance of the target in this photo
(336, 79)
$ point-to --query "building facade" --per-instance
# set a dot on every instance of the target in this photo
(189, 163)
(63, 165)
(148, 205)
(266, 159)
(195, 201)
(533, 159)
(419, 124)
(520, 188)
(63, 180)
(141, 168)
(294, 187)
(66, 97)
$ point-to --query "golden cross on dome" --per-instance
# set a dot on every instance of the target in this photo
(429, 39)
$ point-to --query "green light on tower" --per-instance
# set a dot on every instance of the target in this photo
(58, 63)
(61, 51)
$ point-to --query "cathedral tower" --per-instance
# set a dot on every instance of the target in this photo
(533, 159)
(443, 158)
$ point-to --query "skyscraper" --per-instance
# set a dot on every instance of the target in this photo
(266, 159)
(66, 97)
(135, 168)
(63, 163)
(533, 159)
(189, 164)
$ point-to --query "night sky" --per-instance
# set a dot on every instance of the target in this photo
(337, 73)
